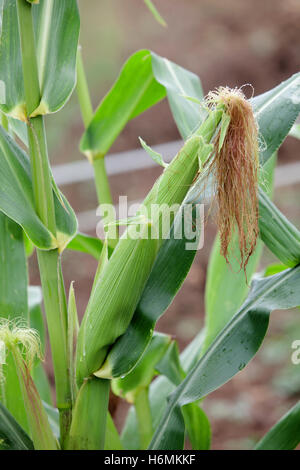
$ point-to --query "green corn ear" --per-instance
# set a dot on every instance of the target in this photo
(119, 287)
(113, 301)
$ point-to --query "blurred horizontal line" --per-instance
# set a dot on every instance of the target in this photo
(118, 163)
(138, 159)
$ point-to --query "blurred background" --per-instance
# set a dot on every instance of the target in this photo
(231, 42)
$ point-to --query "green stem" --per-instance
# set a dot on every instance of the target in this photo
(144, 418)
(101, 181)
(83, 91)
(56, 312)
(100, 174)
(49, 261)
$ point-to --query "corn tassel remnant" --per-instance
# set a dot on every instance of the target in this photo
(234, 167)
(18, 335)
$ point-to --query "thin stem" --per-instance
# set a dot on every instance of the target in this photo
(56, 312)
(83, 91)
(100, 174)
(49, 261)
(101, 181)
(144, 418)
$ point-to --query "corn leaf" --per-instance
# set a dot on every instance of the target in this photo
(295, 131)
(155, 12)
(134, 91)
(278, 233)
(180, 84)
(142, 375)
(16, 199)
(57, 29)
(196, 421)
(285, 434)
(13, 305)
(276, 111)
(159, 390)
(87, 244)
(13, 273)
(12, 436)
(144, 81)
(233, 348)
(112, 438)
(197, 425)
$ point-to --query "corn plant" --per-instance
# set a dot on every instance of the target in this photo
(228, 154)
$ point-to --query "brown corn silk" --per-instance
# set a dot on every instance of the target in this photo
(234, 167)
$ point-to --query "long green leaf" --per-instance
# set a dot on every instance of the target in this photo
(158, 393)
(285, 434)
(57, 29)
(144, 80)
(180, 85)
(141, 376)
(134, 91)
(155, 12)
(12, 436)
(295, 131)
(233, 348)
(13, 305)
(276, 111)
(16, 198)
(13, 273)
(87, 244)
(278, 233)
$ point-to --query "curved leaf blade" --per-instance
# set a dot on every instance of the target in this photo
(180, 84)
(13, 278)
(134, 91)
(57, 30)
(233, 348)
(17, 202)
(285, 434)
(276, 111)
(12, 436)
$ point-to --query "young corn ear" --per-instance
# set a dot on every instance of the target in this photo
(120, 284)
(235, 168)
(113, 300)
(24, 344)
